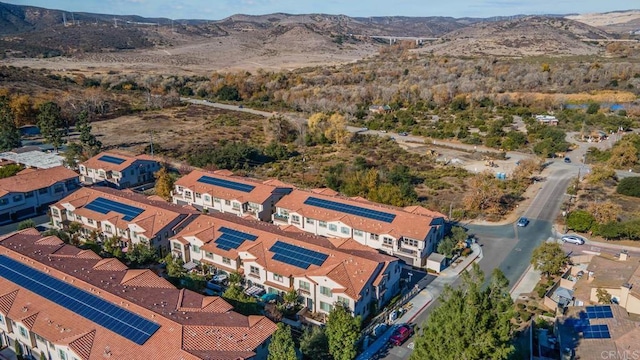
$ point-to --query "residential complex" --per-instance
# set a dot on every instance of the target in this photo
(69, 304)
(118, 170)
(132, 218)
(410, 233)
(323, 271)
(223, 192)
(32, 190)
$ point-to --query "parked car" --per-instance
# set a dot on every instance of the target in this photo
(523, 221)
(403, 134)
(567, 160)
(383, 131)
(401, 335)
(573, 239)
(215, 287)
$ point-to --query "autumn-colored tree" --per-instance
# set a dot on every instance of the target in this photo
(623, 155)
(485, 194)
(164, 183)
(600, 173)
(526, 169)
(22, 109)
(604, 212)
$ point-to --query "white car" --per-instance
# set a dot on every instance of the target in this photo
(573, 239)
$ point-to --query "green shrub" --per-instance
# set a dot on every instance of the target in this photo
(629, 186)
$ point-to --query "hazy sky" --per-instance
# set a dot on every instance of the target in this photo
(219, 9)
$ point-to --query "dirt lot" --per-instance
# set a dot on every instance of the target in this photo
(177, 131)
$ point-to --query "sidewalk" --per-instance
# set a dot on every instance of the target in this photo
(423, 299)
(526, 284)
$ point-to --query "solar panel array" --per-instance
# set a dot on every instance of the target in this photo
(227, 184)
(296, 255)
(232, 239)
(111, 159)
(350, 209)
(104, 206)
(599, 312)
(116, 319)
(596, 332)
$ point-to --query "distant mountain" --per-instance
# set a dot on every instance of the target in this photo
(527, 36)
(622, 22)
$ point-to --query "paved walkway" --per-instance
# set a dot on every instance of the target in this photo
(423, 299)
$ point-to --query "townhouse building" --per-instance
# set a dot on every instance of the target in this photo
(410, 233)
(31, 191)
(62, 303)
(323, 271)
(104, 213)
(223, 192)
(118, 170)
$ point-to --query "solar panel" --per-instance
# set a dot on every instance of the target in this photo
(596, 332)
(350, 209)
(296, 255)
(116, 319)
(104, 206)
(111, 159)
(232, 239)
(599, 312)
(226, 184)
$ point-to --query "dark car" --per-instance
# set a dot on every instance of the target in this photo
(567, 160)
(523, 221)
(401, 335)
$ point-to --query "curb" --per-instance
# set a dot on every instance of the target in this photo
(419, 311)
(520, 279)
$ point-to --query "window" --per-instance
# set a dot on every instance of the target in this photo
(209, 255)
(17, 198)
(283, 212)
(216, 200)
(101, 173)
(226, 260)
(1, 319)
(343, 301)
(325, 307)
(227, 202)
(198, 196)
(310, 221)
(254, 270)
(115, 173)
(303, 285)
(322, 224)
(207, 198)
(108, 228)
(82, 169)
(345, 230)
(187, 193)
(28, 195)
(196, 249)
(23, 332)
(295, 218)
(358, 233)
(62, 355)
(374, 237)
(410, 242)
(325, 291)
(90, 221)
(58, 188)
(177, 246)
(55, 212)
(236, 205)
(333, 227)
(4, 201)
(179, 189)
(43, 191)
(40, 339)
(387, 241)
(277, 277)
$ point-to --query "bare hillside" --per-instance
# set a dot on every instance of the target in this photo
(528, 36)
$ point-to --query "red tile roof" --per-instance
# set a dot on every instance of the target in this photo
(260, 193)
(175, 310)
(129, 159)
(35, 179)
(415, 224)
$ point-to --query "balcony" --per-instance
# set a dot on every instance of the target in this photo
(254, 275)
(407, 251)
(282, 218)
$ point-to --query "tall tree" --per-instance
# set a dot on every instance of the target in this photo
(89, 142)
(486, 317)
(51, 123)
(314, 343)
(164, 183)
(549, 259)
(343, 332)
(282, 346)
(9, 133)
